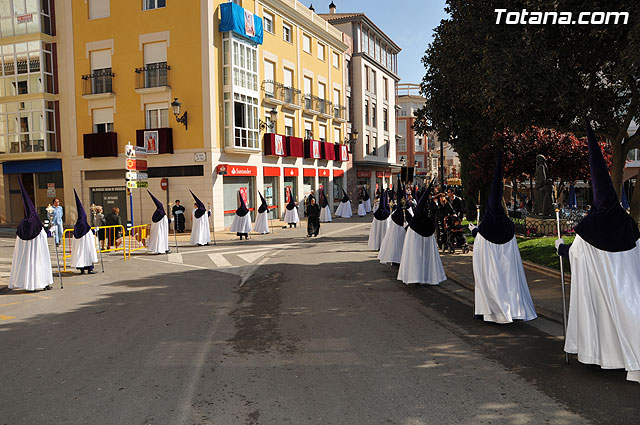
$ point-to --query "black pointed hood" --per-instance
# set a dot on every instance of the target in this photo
(496, 226)
(607, 227)
(242, 209)
(30, 226)
(345, 198)
(324, 202)
(201, 209)
(382, 213)
(263, 204)
(398, 215)
(365, 196)
(421, 223)
(81, 227)
(159, 213)
(292, 204)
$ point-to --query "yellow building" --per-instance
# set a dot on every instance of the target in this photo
(232, 78)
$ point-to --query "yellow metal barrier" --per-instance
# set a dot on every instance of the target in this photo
(137, 238)
(111, 235)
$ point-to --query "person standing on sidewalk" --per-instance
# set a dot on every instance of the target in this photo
(178, 214)
(501, 290)
(604, 305)
(58, 227)
(313, 218)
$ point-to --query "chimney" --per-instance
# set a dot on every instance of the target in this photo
(312, 8)
(332, 8)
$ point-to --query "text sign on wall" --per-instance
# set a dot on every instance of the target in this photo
(23, 19)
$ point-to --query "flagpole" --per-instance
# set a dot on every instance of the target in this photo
(564, 302)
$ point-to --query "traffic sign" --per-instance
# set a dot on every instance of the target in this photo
(137, 184)
(136, 175)
(164, 183)
(137, 164)
(132, 151)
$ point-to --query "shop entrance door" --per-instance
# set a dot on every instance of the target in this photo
(109, 198)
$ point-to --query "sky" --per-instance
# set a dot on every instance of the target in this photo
(409, 23)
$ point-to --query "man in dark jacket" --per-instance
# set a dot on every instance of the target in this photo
(178, 213)
(114, 233)
(455, 202)
(313, 218)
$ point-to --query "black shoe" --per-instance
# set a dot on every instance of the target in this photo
(48, 287)
(90, 272)
(82, 271)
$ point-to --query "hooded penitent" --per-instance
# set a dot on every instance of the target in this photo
(398, 214)
(324, 202)
(263, 204)
(345, 198)
(382, 213)
(421, 222)
(607, 227)
(242, 209)
(365, 196)
(159, 213)
(30, 226)
(496, 226)
(81, 227)
(292, 204)
(201, 209)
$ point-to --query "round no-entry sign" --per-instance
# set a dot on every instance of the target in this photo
(164, 183)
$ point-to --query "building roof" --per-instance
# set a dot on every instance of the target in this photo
(336, 18)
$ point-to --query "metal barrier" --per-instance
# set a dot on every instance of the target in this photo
(138, 237)
(111, 234)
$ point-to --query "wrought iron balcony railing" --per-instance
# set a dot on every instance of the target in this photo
(153, 75)
(97, 83)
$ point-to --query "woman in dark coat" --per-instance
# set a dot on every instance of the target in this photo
(178, 213)
(313, 221)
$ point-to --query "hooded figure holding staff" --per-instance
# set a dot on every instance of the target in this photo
(159, 233)
(83, 248)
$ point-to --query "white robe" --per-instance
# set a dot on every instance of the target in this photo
(604, 308)
(391, 247)
(377, 232)
(83, 251)
(361, 210)
(325, 214)
(367, 205)
(31, 264)
(420, 262)
(262, 223)
(291, 216)
(200, 232)
(159, 237)
(344, 210)
(501, 290)
(241, 224)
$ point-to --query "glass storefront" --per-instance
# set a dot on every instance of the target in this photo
(270, 193)
(337, 190)
(290, 183)
(230, 187)
(43, 188)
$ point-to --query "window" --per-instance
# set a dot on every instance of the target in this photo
(101, 81)
(373, 82)
(269, 78)
(348, 69)
(377, 50)
(308, 130)
(99, 9)
(366, 113)
(321, 51)
(157, 115)
(336, 60)
(28, 126)
(288, 85)
(308, 83)
(244, 63)
(102, 120)
(371, 44)
(367, 145)
(153, 4)
(336, 135)
(26, 68)
(155, 64)
(374, 115)
(40, 21)
(385, 119)
(375, 146)
(367, 78)
(419, 145)
(387, 148)
(402, 132)
(336, 98)
(306, 43)
(288, 126)
(321, 94)
(365, 41)
(287, 33)
(245, 109)
(349, 110)
(267, 19)
(385, 87)
(322, 130)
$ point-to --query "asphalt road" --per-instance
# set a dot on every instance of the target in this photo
(284, 329)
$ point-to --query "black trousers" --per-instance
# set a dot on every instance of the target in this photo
(313, 226)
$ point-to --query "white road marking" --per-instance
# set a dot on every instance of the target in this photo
(219, 260)
(175, 258)
(252, 269)
(166, 262)
(252, 256)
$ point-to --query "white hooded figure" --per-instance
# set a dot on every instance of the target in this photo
(291, 212)
(200, 231)
(361, 211)
(262, 218)
(393, 242)
(501, 290)
(604, 307)
(325, 209)
(159, 233)
(366, 200)
(380, 223)
(344, 209)
(31, 262)
(83, 248)
(242, 220)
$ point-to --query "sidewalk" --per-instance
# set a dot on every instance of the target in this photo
(544, 284)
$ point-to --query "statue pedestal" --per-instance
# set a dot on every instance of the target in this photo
(544, 226)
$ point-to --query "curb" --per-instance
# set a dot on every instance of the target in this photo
(546, 270)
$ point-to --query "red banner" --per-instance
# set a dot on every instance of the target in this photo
(323, 172)
(364, 173)
(271, 171)
(241, 170)
(243, 193)
(290, 172)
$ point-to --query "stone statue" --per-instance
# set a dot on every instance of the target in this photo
(544, 189)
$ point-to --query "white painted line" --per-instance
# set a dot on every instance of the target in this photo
(252, 269)
(175, 258)
(252, 256)
(166, 262)
(219, 260)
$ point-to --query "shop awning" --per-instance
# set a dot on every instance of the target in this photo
(35, 166)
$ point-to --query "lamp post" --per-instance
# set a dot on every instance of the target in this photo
(264, 125)
(176, 105)
(353, 140)
(442, 164)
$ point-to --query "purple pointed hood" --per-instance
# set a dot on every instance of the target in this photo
(398, 215)
(345, 198)
(496, 226)
(607, 227)
(159, 213)
(201, 209)
(292, 204)
(242, 209)
(263, 204)
(421, 222)
(324, 202)
(382, 213)
(30, 226)
(365, 196)
(81, 227)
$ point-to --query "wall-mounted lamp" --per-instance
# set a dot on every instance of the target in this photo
(273, 115)
(176, 111)
(352, 140)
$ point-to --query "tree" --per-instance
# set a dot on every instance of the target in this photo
(482, 77)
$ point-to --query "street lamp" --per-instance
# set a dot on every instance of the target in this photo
(353, 140)
(176, 105)
(273, 115)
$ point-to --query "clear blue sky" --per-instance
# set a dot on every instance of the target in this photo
(409, 23)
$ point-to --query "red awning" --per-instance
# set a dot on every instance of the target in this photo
(309, 172)
(290, 172)
(271, 171)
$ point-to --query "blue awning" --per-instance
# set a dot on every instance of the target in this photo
(240, 21)
(34, 166)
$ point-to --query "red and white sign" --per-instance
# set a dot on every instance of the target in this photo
(164, 183)
(364, 173)
(287, 195)
(309, 172)
(137, 164)
(243, 193)
(271, 171)
(240, 170)
(315, 149)
(279, 144)
(23, 19)
(323, 172)
(344, 153)
(290, 172)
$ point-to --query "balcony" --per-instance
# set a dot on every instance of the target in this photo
(98, 85)
(339, 113)
(325, 107)
(153, 78)
(315, 105)
(98, 145)
(278, 94)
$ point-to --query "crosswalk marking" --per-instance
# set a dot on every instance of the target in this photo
(175, 258)
(252, 256)
(219, 260)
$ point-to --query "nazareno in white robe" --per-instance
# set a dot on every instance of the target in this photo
(241, 224)
(367, 205)
(262, 223)
(31, 264)
(291, 216)
(501, 290)
(83, 251)
(391, 247)
(377, 232)
(325, 214)
(604, 307)
(361, 210)
(159, 237)
(420, 261)
(200, 232)
(344, 210)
